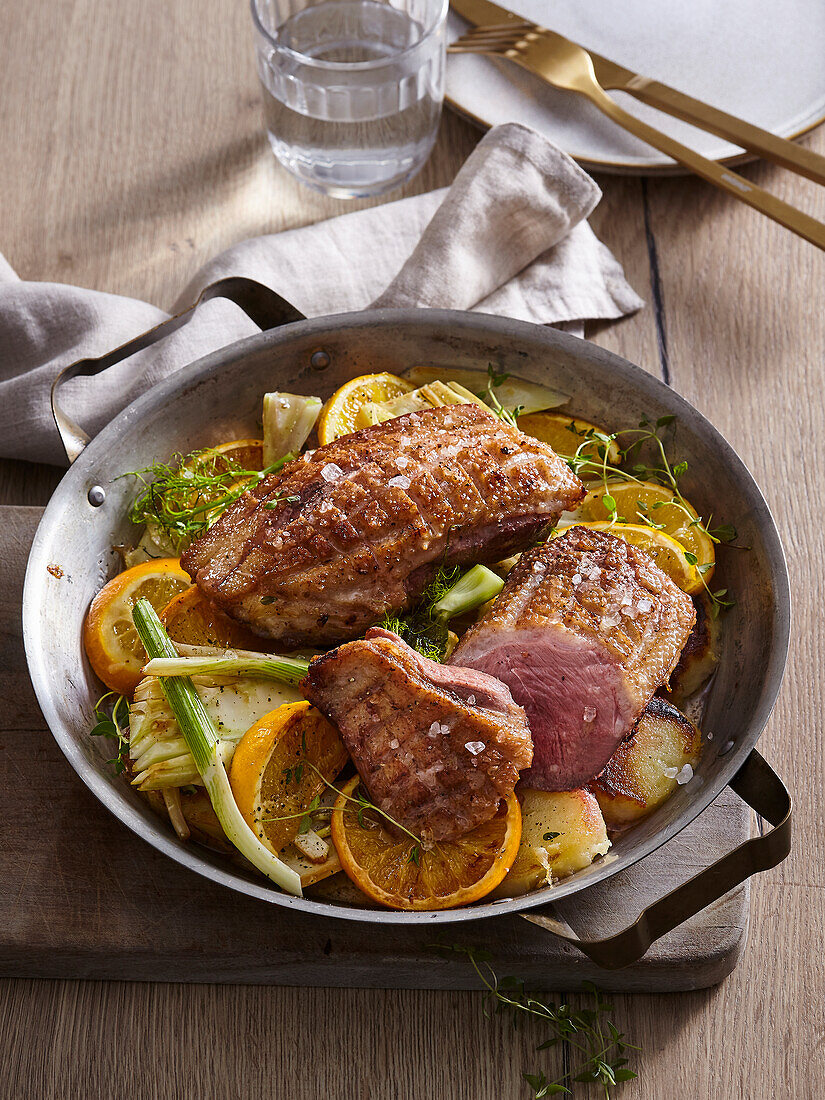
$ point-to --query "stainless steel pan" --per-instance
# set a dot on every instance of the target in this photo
(219, 398)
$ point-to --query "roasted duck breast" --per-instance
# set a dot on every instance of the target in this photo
(321, 550)
(436, 746)
(583, 633)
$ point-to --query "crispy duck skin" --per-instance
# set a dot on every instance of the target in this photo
(584, 632)
(321, 550)
(436, 746)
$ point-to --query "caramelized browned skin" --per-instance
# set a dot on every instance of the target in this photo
(322, 550)
(437, 747)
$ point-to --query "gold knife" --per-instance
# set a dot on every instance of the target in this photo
(615, 77)
(568, 66)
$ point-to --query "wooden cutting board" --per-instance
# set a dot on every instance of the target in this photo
(82, 897)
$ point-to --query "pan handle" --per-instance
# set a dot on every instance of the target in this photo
(262, 305)
(758, 785)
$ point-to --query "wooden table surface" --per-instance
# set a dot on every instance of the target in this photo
(131, 150)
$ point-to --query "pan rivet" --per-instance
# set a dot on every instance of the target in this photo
(96, 495)
(319, 360)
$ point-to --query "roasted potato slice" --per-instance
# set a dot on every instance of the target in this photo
(698, 661)
(561, 832)
(643, 771)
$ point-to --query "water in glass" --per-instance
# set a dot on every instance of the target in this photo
(343, 126)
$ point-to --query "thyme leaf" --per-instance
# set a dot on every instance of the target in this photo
(494, 380)
(591, 457)
(596, 1043)
(361, 801)
(112, 721)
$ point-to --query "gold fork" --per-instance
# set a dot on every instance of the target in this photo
(565, 65)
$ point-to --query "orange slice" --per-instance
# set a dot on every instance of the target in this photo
(637, 500)
(191, 619)
(339, 415)
(566, 434)
(112, 644)
(393, 869)
(271, 776)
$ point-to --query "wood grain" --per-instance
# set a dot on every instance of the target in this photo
(131, 152)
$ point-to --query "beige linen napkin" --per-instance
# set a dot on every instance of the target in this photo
(509, 237)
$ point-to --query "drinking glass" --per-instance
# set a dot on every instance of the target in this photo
(352, 88)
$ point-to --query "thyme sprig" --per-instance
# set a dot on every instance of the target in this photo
(591, 456)
(494, 380)
(600, 1045)
(113, 722)
(315, 808)
(183, 497)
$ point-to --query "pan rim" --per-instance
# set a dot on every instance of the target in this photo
(458, 323)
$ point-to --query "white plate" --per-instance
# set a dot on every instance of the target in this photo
(761, 60)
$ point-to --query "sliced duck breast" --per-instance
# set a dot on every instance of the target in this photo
(436, 746)
(320, 551)
(584, 632)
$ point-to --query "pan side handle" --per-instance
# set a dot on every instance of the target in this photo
(758, 785)
(262, 305)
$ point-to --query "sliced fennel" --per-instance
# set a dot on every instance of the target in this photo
(513, 393)
(425, 626)
(477, 586)
(288, 419)
(204, 744)
(154, 543)
(431, 396)
(159, 754)
(286, 670)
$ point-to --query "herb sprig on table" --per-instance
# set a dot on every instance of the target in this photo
(598, 1045)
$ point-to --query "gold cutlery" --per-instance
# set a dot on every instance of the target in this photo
(570, 67)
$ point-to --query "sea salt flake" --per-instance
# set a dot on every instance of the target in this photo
(538, 567)
(393, 744)
(434, 729)
(471, 699)
(685, 775)
(645, 605)
(401, 462)
(577, 578)
(475, 747)
(671, 773)
(399, 481)
(331, 472)
(589, 714)
(709, 736)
